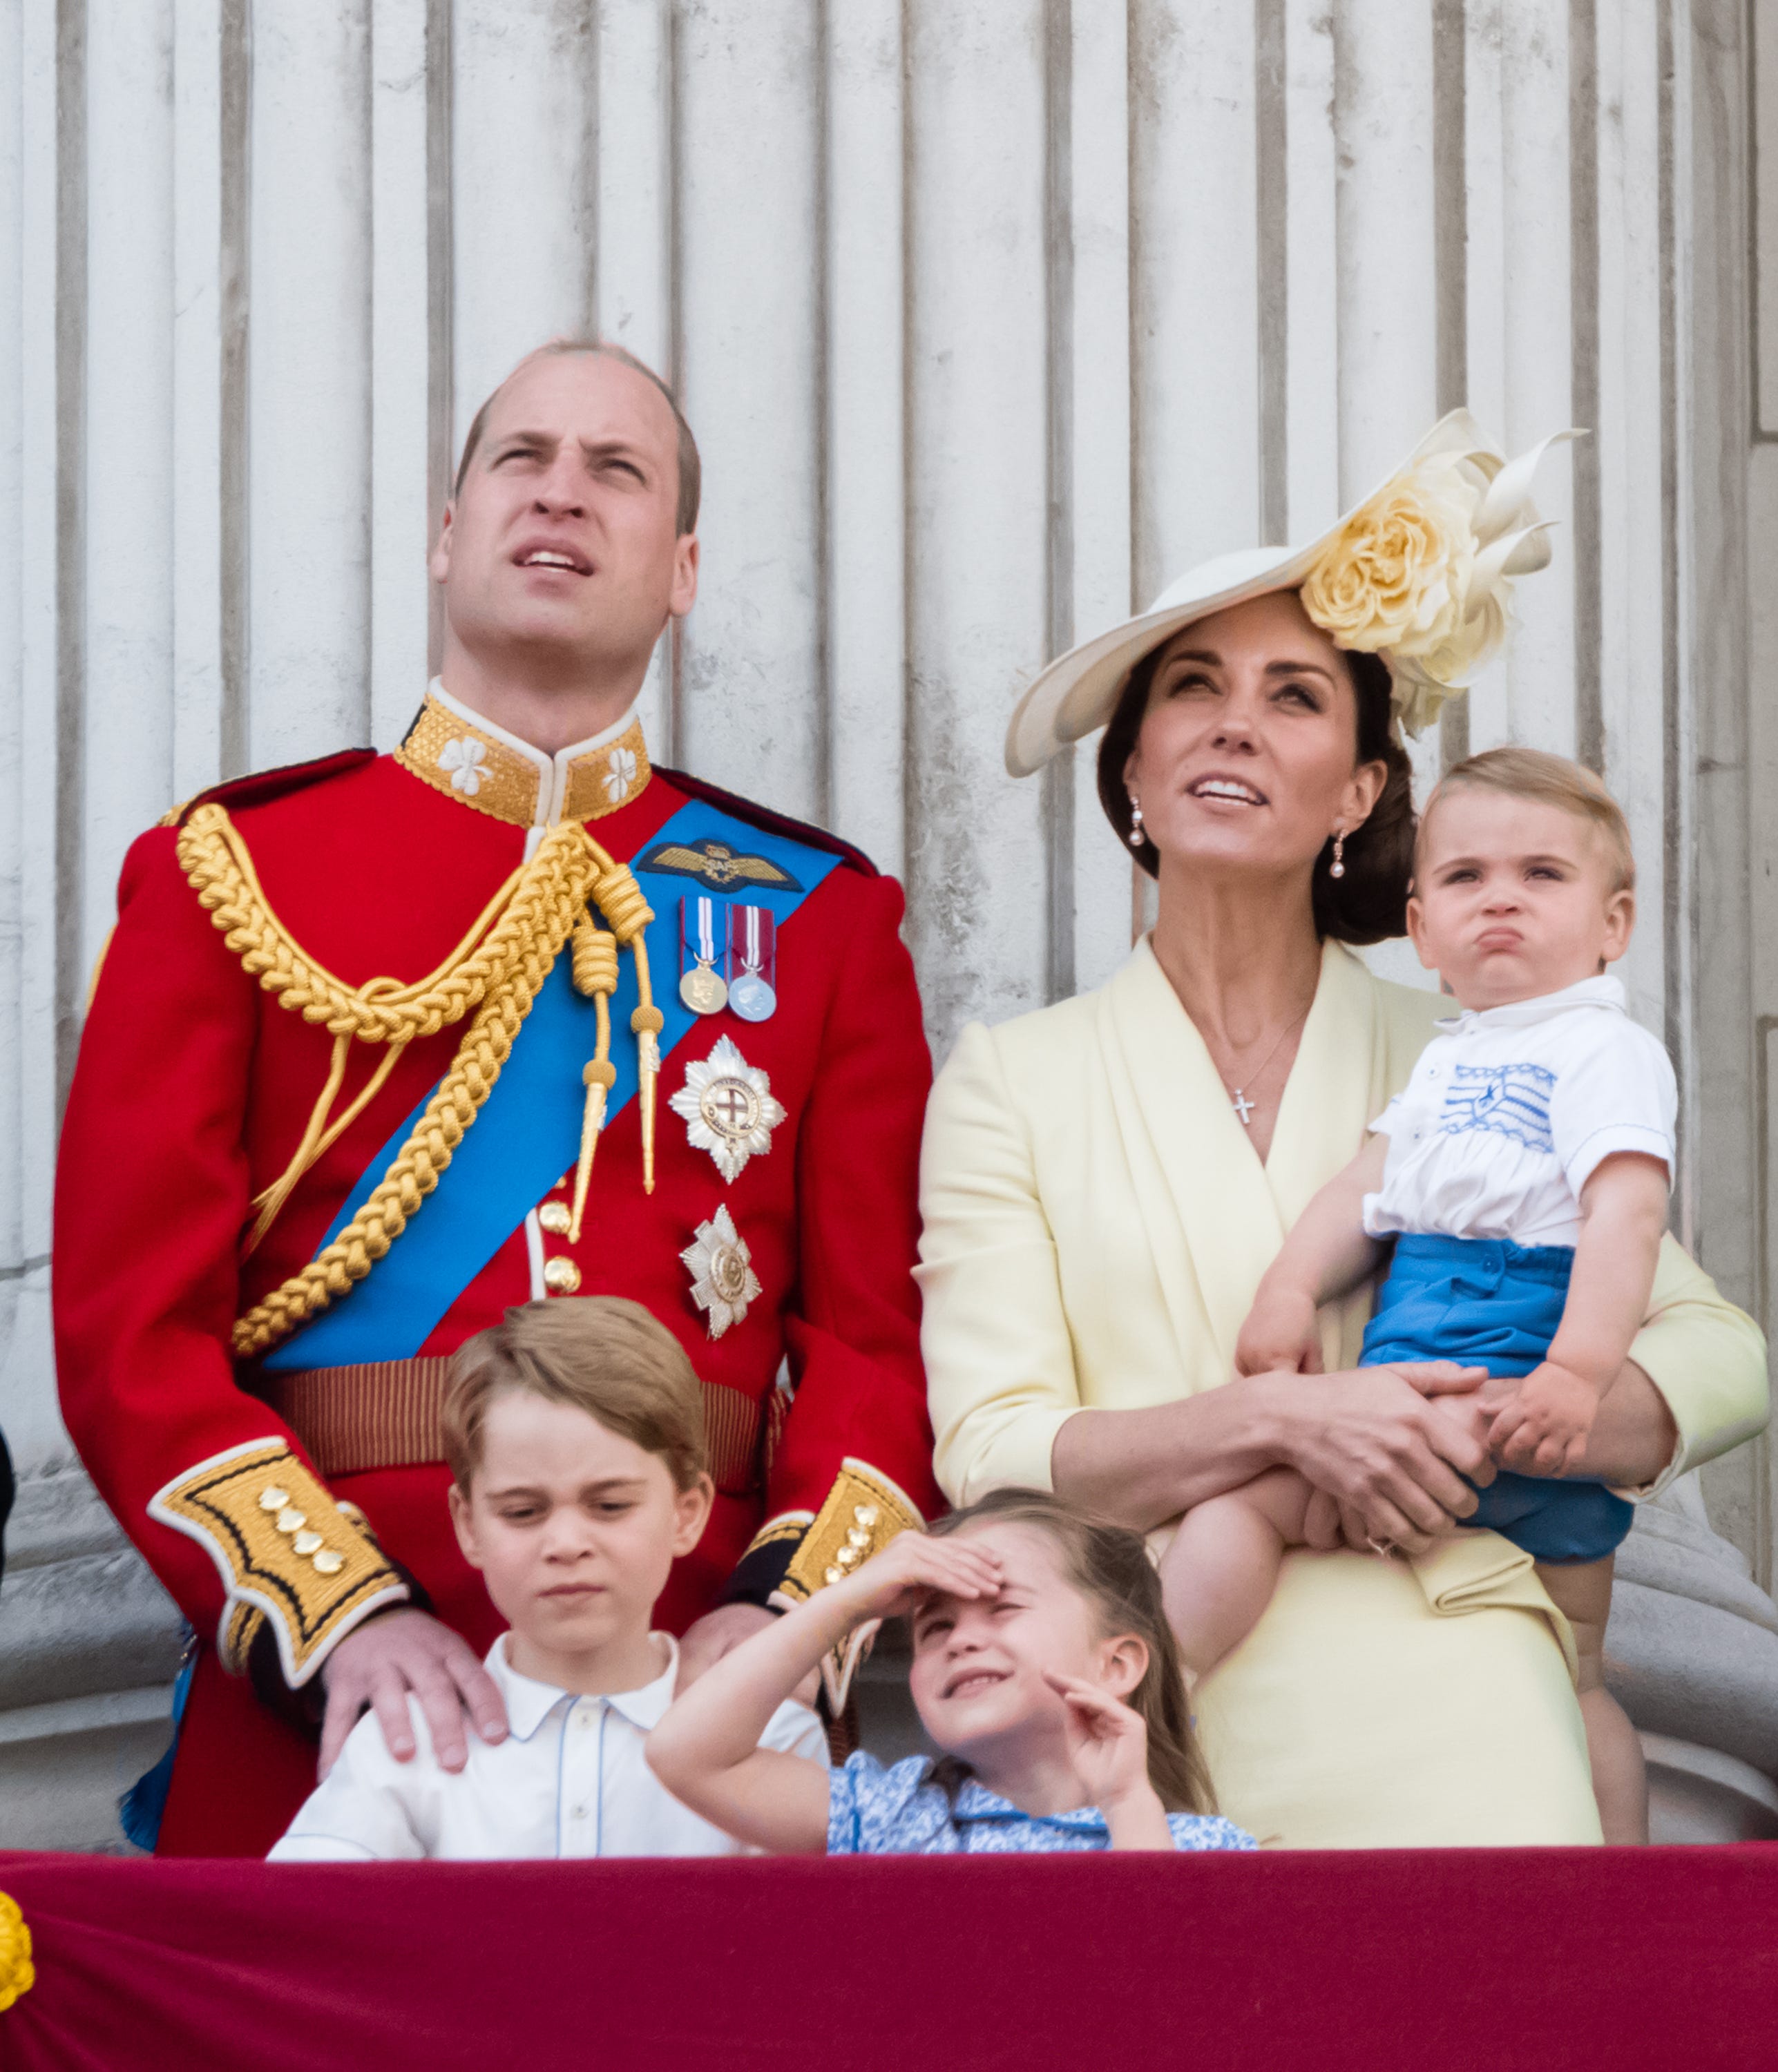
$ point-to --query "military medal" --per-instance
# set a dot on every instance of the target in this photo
(728, 1108)
(722, 1280)
(752, 962)
(702, 986)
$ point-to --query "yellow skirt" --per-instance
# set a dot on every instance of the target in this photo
(1387, 1704)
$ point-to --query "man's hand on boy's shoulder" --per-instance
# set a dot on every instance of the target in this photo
(406, 1653)
(705, 1642)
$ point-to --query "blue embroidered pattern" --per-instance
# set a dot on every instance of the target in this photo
(874, 1812)
(1511, 1100)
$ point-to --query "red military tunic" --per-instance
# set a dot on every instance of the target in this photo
(194, 1087)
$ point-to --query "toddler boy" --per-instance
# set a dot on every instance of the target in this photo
(1520, 1178)
(575, 1431)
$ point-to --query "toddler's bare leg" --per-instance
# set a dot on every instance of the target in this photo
(1581, 1591)
(1219, 1574)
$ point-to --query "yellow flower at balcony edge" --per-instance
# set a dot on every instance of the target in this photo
(17, 1973)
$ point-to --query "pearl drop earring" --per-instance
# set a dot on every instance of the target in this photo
(1337, 868)
(1137, 838)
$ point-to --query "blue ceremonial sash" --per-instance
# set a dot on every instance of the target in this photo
(528, 1133)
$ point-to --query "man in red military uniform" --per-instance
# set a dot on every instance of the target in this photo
(383, 1044)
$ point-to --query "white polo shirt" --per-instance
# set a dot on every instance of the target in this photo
(569, 1780)
(1509, 1112)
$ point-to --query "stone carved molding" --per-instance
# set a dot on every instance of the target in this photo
(89, 1643)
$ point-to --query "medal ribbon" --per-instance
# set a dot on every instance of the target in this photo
(527, 1134)
(706, 931)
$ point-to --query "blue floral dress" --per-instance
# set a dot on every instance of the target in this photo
(877, 1812)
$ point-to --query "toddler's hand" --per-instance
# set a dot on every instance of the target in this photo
(1107, 1742)
(1542, 1431)
(912, 1567)
(1282, 1331)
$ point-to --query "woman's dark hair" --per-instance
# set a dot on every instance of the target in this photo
(1370, 903)
(1109, 1565)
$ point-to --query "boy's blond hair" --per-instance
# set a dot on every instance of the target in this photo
(1552, 780)
(596, 1353)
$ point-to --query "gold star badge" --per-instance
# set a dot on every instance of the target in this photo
(723, 1279)
(728, 1107)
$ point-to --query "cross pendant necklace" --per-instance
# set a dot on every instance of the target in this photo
(1243, 1107)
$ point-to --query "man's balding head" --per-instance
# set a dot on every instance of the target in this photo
(568, 542)
(690, 467)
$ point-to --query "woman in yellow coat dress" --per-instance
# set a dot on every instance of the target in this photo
(1104, 1182)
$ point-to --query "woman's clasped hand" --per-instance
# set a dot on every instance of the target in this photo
(1387, 1451)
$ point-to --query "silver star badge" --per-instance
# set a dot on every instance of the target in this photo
(728, 1108)
(723, 1279)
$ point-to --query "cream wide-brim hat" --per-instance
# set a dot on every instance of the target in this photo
(1478, 504)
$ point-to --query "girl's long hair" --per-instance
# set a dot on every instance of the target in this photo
(1109, 1565)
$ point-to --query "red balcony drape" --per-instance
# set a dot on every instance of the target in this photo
(1283, 1962)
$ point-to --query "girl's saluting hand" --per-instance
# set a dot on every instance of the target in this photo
(911, 1568)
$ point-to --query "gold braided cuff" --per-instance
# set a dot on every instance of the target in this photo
(788, 1526)
(240, 1626)
(863, 1512)
(286, 1551)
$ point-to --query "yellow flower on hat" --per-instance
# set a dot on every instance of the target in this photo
(1420, 572)
(1397, 572)
(18, 1975)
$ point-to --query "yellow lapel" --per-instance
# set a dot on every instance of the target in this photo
(1336, 1087)
(1213, 1223)
(1216, 1216)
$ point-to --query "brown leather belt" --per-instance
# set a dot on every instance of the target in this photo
(384, 1414)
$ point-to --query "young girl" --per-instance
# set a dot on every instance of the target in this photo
(1044, 1667)
(1522, 1176)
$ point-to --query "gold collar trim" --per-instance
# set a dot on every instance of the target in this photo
(481, 766)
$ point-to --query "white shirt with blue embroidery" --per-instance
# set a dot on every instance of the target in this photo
(569, 1780)
(1509, 1112)
(872, 1811)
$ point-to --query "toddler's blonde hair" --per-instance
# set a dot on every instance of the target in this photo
(1552, 780)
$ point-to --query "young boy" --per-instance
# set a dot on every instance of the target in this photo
(1522, 1175)
(575, 1431)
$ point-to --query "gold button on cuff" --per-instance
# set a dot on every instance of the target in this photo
(308, 1543)
(328, 1563)
(560, 1276)
(274, 1499)
(291, 1520)
(555, 1217)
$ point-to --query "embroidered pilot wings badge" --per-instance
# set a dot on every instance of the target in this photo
(716, 865)
(728, 1108)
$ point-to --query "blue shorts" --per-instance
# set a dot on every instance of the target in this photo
(1483, 1302)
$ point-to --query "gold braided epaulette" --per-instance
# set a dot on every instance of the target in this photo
(496, 971)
